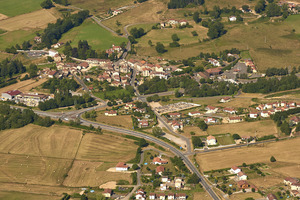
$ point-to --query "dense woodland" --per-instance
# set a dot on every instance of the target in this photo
(265, 86)
(16, 118)
(183, 3)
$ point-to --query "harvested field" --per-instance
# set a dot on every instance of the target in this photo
(244, 196)
(36, 19)
(85, 173)
(106, 148)
(119, 120)
(2, 17)
(110, 184)
(23, 86)
(292, 171)
(32, 170)
(33, 140)
(258, 128)
(196, 130)
(24, 196)
(254, 154)
(201, 195)
(267, 181)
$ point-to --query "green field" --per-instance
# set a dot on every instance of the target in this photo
(111, 93)
(15, 37)
(97, 37)
(13, 8)
(224, 139)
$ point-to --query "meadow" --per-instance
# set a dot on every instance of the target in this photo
(13, 8)
(12, 38)
(98, 37)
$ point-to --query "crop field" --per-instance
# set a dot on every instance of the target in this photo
(254, 154)
(244, 196)
(98, 37)
(260, 128)
(44, 159)
(24, 196)
(119, 120)
(201, 195)
(13, 8)
(33, 20)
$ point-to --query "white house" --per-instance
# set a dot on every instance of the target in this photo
(210, 120)
(225, 99)
(211, 140)
(164, 179)
(242, 176)
(171, 196)
(152, 196)
(253, 115)
(295, 186)
(121, 166)
(194, 113)
(232, 18)
(140, 195)
(235, 170)
(229, 110)
(264, 113)
(214, 62)
(211, 109)
(52, 53)
(235, 119)
(110, 113)
(161, 196)
(181, 196)
(290, 181)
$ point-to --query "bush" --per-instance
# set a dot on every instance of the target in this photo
(272, 159)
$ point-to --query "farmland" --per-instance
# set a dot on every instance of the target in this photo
(24, 86)
(12, 38)
(13, 8)
(24, 196)
(254, 154)
(258, 128)
(97, 37)
(120, 120)
(44, 156)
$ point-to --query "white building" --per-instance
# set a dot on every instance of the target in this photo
(211, 140)
(235, 170)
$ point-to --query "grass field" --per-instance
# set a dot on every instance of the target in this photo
(33, 20)
(12, 38)
(119, 120)
(261, 128)
(24, 196)
(225, 139)
(196, 130)
(97, 37)
(280, 150)
(15, 7)
(116, 92)
(245, 196)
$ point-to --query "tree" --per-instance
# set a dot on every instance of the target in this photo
(193, 179)
(157, 131)
(135, 167)
(150, 43)
(285, 128)
(196, 17)
(260, 6)
(216, 29)
(272, 159)
(202, 125)
(143, 143)
(273, 10)
(118, 23)
(33, 69)
(245, 8)
(175, 37)
(236, 136)
(47, 4)
(156, 183)
(160, 48)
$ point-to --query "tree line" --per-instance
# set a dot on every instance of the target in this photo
(173, 4)
(277, 71)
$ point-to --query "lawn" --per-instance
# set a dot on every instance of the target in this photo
(98, 37)
(224, 139)
(258, 128)
(16, 7)
(254, 154)
(16, 37)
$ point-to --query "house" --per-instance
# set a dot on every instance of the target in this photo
(181, 196)
(295, 193)
(110, 113)
(204, 75)
(116, 12)
(37, 39)
(232, 18)
(243, 184)
(264, 113)
(210, 120)
(152, 196)
(57, 58)
(11, 94)
(214, 71)
(235, 119)
(159, 161)
(225, 99)
(57, 45)
(211, 109)
(160, 169)
(295, 186)
(164, 179)
(183, 22)
(121, 166)
(178, 182)
(229, 110)
(140, 195)
(235, 170)
(174, 115)
(253, 115)
(171, 196)
(242, 176)
(211, 140)
(52, 53)
(271, 197)
(163, 186)
(176, 125)
(290, 181)
(52, 73)
(194, 113)
(161, 196)
(143, 123)
(295, 119)
(214, 62)
(107, 193)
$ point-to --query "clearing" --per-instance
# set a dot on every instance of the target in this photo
(258, 128)
(253, 154)
(98, 37)
(13, 8)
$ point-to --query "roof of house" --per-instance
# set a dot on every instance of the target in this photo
(235, 118)
(181, 195)
(210, 107)
(234, 167)
(13, 92)
(291, 179)
(122, 165)
(107, 191)
(213, 70)
(241, 174)
(210, 137)
(242, 182)
(160, 169)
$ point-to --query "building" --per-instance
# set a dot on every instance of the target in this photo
(211, 140)
(265, 113)
(295, 119)
(140, 195)
(121, 166)
(181, 196)
(52, 53)
(110, 113)
(164, 179)
(295, 186)
(214, 62)
(235, 119)
(214, 71)
(107, 193)
(10, 95)
(152, 196)
(194, 113)
(52, 74)
(243, 184)
(229, 110)
(271, 197)
(211, 109)
(290, 181)
(161, 196)
(178, 182)
(253, 115)
(171, 196)
(174, 115)
(232, 18)
(235, 170)
(242, 176)
(176, 125)
(209, 120)
(32, 99)
(159, 161)
(143, 124)
(225, 99)
(160, 169)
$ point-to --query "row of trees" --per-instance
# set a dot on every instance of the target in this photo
(173, 4)
(53, 32)
(9, 68)
(13, 49)
(60, 85)
(264, 85)
(272, 9)
(277, 71)
(62, 2)
(16, 118)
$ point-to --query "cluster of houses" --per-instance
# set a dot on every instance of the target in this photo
(265, 110)
(241, 179)
(29, 99)
(173, 23)
(294, 185)
(141, 195)
(114, 49)
(293, 7)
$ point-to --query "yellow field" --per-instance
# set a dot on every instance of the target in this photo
(119, 120)
(34, 140)
(85, 173)
(197, 130)
(280, 150)
(23, 86)
(24, 196)
(201, 195)
(244, 196)
(260, 128)
(36, 19)
(292, 171)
